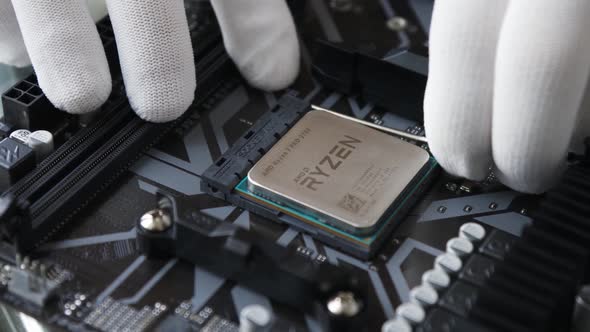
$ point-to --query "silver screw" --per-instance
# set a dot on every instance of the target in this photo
(344, 304)
(155, 221)
(397, 23)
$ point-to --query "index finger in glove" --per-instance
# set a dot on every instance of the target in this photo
(542, 67)
(459, 93)
(156, 56)
(260, 37)
(66, 52)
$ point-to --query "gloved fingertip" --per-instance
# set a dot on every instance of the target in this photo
(261, 39)
(164, 107)
(156, 56)
(458, 139)
(471, 167)
(528, 178)
(150, 114)
(273, 69)
(66, 52)
(78, 97)
(529, 166)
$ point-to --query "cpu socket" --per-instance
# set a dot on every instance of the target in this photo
(340, 176)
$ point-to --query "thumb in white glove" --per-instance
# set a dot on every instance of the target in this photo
(155, 50)
(506, 80)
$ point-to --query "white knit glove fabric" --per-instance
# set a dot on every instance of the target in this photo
(154, 47)
(12, 47)
(506, 81)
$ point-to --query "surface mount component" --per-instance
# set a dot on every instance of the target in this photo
(343, 173)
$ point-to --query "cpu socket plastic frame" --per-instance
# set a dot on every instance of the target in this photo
(227, 179)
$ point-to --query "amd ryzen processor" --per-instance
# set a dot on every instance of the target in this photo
(342, 173)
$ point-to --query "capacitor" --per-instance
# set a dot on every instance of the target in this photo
(20, 135)
(41, 141)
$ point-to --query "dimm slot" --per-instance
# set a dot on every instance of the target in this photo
(56, 166)
(68, 180)
(87, 140)
(75, 191)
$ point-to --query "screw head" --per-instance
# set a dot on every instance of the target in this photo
(397, 23)
(344, 304)
(155, 221)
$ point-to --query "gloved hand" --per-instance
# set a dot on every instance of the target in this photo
(505, 85)
(154, 47)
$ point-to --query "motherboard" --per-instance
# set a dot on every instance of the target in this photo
(130, 226)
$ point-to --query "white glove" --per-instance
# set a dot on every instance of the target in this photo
(505, 85)
(154, 47)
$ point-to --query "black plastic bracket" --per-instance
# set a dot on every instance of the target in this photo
(259, 264)
(396, 88)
